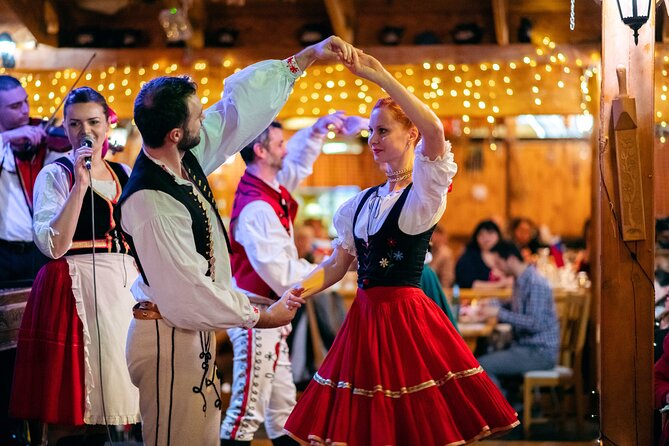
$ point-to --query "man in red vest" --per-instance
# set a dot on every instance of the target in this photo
(265, 264)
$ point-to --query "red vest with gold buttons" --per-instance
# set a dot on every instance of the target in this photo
(252, 188)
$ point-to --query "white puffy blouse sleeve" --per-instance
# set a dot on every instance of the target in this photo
(51, 189)
(343, 223)
(251, 99)
(426, 202)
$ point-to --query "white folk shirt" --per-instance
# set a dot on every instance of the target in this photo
(425, 204)
(16, 223)
(52, 187)
(161, 226)
(269, 247)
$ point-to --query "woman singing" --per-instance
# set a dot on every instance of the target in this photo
(70, 370)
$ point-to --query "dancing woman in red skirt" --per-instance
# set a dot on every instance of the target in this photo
(398, 372)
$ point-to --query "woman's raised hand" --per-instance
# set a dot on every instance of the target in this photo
(367, 68)
(334, 48)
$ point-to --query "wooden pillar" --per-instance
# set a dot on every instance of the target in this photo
(509, 147)
(592, 339)
(625, 268)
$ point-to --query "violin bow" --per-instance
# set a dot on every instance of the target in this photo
(49, 122)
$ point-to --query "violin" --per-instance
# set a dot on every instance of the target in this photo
(55, 139)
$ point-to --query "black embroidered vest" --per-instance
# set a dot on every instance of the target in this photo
(106, 233)
(390, 257)
(148, 175)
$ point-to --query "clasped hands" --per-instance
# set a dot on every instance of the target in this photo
(292, 298)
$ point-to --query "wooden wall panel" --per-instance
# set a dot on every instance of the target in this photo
(478, 188)
(339, 170)
(550, 183)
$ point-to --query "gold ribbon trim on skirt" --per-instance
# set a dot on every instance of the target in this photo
(397, 393)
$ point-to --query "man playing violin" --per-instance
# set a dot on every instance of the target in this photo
(23, 153)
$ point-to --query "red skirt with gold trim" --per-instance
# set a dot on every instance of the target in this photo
(49, 372)
(398, 373)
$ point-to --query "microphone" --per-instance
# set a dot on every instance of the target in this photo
(87, 141)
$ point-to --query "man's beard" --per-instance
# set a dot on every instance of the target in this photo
(188, 142)
(277, 164)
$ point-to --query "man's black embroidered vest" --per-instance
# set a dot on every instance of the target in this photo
(148, 175)
(390, 257)
(106, 232)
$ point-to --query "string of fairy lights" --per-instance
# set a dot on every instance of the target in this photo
(544, 81)
(661, 97)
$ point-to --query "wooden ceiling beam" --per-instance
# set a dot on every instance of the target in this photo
(499, 8)
(341, 13)
(539, 6)
(61, 58)
(198, 18)
(32, 14)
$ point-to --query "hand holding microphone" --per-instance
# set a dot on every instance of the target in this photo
(87, 141)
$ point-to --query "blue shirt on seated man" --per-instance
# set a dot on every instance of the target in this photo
(536, 330)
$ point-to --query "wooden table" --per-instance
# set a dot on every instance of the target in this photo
(471, 331)
(12, 304)
(469, 294)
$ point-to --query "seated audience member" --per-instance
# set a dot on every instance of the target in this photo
(305, 242)
(429, 283)
(662, 235)
(661, 331)
(475, 267)
(661, 284)
(662, 391)
(582, 262)
(536, 330)
(443, 261)
(525, 236)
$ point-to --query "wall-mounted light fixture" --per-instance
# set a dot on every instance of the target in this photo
(634, 13)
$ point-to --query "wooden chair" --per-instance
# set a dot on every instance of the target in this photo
(573, 310)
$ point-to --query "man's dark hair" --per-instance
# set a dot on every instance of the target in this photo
(485, 225)
(506, 249)
(8, 82)
(83, 95)
(162, 105)
(247, 153)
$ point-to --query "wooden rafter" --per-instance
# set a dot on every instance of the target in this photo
(499, 8)
(32, 15)
(198, 16)
(341, 13)
(61, 58)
